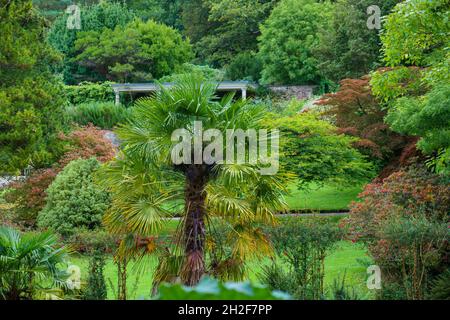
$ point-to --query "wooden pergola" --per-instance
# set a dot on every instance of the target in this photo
(223, 86)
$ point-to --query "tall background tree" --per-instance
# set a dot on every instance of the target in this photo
(236, 29)
(139, 51)
(349, 49)
(287, 39)
(30, 96)
(93, 18)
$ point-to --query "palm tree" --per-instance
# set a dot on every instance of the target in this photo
(146, 185)
(29, 264)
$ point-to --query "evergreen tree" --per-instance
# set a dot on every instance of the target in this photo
(30, 96)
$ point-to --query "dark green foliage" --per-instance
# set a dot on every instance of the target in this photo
(89, 241)
(93, 18)
(89, 92)
(440, 287)
(303, 246)
(104, 115)
(349, 49)
(212, 289)
(231, 27)
(340, 291)
(187, 69)
(140, 51)
(245, 66)
(287, 39)
(30, 96)
(96, 285)
(52, 9)
(74, 200)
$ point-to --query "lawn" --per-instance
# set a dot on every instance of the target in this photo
(347, 259)
(325, 198)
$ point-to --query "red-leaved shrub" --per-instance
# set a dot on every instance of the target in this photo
(404, 220)
(357, 112)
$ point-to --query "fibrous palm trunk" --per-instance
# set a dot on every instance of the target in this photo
(194, 225)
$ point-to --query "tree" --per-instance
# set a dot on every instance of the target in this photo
(30, 96)
(93, 18)
(30, 264)
(415, 87)
(140, 51)
(356, 112)
(349, 49)
(311, 149)
(231, 28)
(145, 183)
(167, 12)
(287, 39)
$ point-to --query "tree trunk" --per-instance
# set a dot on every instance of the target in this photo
(194, 225)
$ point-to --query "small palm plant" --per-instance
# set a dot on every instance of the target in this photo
(30, 264)
(146, 185)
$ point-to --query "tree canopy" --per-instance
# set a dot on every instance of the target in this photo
(140, 51)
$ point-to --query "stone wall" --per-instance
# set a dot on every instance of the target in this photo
(289, 92)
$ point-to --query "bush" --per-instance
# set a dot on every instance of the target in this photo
(29, 195)
(245, 66)
(204, 72)
(87, 241)
(105, 115)
(302, 245)
(86, 92)
(404, 221)
(440, 288)
(74, 200)
(96, 285)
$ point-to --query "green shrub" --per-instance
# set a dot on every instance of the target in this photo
(341, 291)
(245, 66)
(302, 245)
(440, 288)
(74, 200)
(89, 92)
(87, 241)
(104, 115)
(212, 289)
(96, 285)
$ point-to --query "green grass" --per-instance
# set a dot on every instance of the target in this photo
(328, 198)
(345, 259)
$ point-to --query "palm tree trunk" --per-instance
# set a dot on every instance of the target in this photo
(194, 225)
